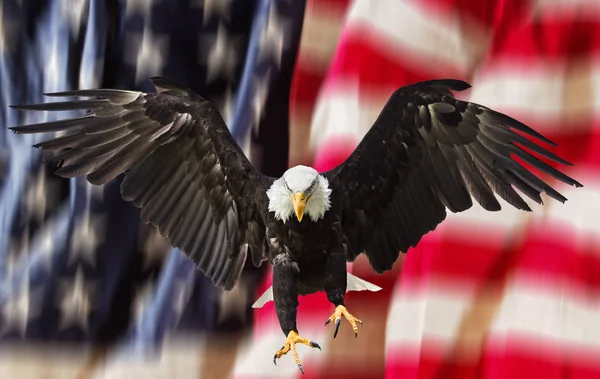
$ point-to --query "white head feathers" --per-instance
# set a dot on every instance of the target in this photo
(305, 180)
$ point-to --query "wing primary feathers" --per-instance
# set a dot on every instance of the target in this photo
(62, 142)
(76, 156)
(105, 124)
(504, 135)
(122, 161)
(55, 126)
(545, 167)
(491, 117)
(81, 141)
(63, 105)
(73, 170)
(475, 182)
(116, 96)
(505, 191)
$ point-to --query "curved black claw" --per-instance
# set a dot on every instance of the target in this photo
(315, 345)
(275, 356)
(300, 367)
(337, 327)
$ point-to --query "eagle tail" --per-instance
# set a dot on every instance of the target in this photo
(354, 283)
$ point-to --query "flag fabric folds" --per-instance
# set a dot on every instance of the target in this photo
(499, 295)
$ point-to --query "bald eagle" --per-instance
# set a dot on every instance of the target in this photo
(426, 153)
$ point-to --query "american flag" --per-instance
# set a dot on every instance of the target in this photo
(77, 268)
(504, 295)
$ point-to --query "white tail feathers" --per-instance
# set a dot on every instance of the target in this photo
(354, 283)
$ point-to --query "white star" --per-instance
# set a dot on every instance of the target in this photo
(21, 306)
(138, 7)
(225, 105)
(72, 11)
(213, 7)
(34, 199)
(75, 304)
(143, 296)
(38, 195)
(8, 33)
(15, 254)
(260, 97)
(90, 75)
(222, 56)
(155, 247)
(271, 37)
(234, 302)
(54, 65)
(88, 233)
(148, 57)
(181, 295)
(45, 240)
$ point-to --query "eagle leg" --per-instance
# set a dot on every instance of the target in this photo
(292, 339)
(340, 311)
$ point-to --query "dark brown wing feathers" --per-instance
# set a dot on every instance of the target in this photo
(428, 152)
(182, 166)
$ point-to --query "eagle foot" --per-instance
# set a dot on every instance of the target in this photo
(292, 339)
(340, 311)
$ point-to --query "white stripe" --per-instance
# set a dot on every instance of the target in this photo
(547, 313)
(180, 356)
(438, 38)
(320, 34)
(541, 92)
(343, 112)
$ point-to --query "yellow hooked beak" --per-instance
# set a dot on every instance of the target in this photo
(299, 202)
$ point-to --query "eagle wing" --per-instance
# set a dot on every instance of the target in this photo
(182, 168)
(428, 152)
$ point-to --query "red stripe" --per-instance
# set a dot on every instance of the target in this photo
(305, 86)
(358, 58)
(343, 4)
(555, 39)
(484, 12)
(552, 255)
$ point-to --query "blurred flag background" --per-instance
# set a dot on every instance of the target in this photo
(87, 291)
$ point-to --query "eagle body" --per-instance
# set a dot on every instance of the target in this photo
(310, 246)
(427, 153)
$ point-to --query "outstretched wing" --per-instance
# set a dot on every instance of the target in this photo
(426, 152)
(182, 168)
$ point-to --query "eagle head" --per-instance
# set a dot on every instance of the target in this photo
(301, 190)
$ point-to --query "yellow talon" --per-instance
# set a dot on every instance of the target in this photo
(340, 311)
(290, 344)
